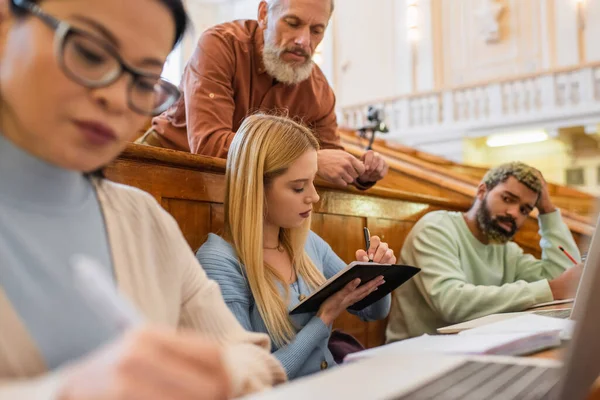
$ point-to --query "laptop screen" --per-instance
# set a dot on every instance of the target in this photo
(582, 365)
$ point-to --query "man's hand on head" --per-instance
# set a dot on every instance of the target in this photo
(544, 204)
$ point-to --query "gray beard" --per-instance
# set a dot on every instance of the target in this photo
(282, 71)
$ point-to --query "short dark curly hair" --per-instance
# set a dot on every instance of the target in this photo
(525, 174)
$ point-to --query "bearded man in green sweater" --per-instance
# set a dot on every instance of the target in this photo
(469, 265)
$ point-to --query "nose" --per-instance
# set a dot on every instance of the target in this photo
(114, 97)
(513, 211)
(313, 196)
(303, 38)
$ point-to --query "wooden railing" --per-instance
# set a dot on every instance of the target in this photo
(449, 179)
(191, 188)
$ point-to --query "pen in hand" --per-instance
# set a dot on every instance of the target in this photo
(367, 242)
(570, 257)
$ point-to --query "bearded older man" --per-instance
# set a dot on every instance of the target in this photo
(469, 265)
(266, 65)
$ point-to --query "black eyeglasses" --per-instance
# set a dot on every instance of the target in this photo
(91, 62)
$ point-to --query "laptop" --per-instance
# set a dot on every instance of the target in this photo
(449, 377)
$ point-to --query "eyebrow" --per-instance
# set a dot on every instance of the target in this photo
(99, 28)
(292, 16)
(150, 62)
(299, 180)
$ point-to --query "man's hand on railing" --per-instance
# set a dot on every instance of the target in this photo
(339, 167)
(375, 168)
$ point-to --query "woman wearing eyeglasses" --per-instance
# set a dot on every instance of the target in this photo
(78, 78)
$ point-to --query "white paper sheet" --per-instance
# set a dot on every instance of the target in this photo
(528, 323)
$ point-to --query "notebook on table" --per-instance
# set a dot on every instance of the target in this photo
(499, 344)
(562, 313)
(395, 275)
(552, 303)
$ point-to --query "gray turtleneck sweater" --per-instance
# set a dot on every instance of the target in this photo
(48, 214)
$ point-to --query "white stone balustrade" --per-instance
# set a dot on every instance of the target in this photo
(549, 100)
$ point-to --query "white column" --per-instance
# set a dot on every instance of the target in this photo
(425, 61)
(566, 33)
(547, 34)
(328, 54)
(403, 59)
(423, 78)
(592, 30)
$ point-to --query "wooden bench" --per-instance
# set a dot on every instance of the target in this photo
(191, 188)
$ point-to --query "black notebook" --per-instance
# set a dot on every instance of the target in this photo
(394, 275)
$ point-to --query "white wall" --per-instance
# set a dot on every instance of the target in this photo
(592, 30)
(242, 9)
(365, 57)
(203, 16)
(566, 33)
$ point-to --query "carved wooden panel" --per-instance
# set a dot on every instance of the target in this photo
(193, 217)
(216, 218)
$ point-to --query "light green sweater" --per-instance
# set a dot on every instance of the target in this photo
(462, 278)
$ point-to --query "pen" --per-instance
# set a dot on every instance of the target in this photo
(367, 240)
(570, 257)
(98, 290)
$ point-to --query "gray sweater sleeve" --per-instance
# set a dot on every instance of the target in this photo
(217, 260)
(332, 264)
(293, 355)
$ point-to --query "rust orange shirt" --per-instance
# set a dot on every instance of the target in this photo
(225, 80)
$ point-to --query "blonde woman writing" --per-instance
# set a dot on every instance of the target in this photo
(268, 259)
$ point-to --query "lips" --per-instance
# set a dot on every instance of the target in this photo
(306, 214)
(299, 55)
(96, 132)
(507, 226)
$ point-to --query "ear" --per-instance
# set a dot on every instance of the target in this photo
(481, 191)
(263, 12)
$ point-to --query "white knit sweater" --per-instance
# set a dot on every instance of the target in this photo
(157, 271)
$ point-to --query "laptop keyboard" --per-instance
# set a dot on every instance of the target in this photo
(564, 314)
(476, 380)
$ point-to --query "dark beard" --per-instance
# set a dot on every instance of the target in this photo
(490, 228)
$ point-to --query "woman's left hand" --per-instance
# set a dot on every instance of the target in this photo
(378, 252)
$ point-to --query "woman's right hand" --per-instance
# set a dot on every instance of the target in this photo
(150, 364)
(350, 294)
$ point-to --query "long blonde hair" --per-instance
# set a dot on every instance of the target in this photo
(263, 148)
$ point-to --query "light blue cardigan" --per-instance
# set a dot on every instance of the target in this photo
(307, 352)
